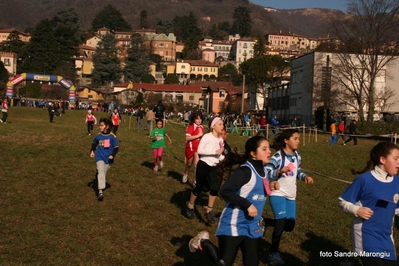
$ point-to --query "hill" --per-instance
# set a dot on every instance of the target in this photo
(25, 14)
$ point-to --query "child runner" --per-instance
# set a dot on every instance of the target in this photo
(373, 199)
(104, 148)
(194, 133)
(210, 151)
(284, 167)
(245, 192)
(158, 135)
(115, 117)
(90, 121)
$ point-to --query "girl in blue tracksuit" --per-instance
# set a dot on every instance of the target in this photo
(284, 167)
(245, 192)
(373, 200)
(104, 148)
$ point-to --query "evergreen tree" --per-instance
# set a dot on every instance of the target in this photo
(107, 66)
(230, 73)
(42, 54)
(259, 46)
(110, 18)
(242, 21)
(148, 78)
(3, 77)
(137, 62)
(172, 79)
(186, 27)
(13, 44)
(143, 19)
(164, 26)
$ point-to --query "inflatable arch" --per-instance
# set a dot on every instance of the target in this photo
(67, 84)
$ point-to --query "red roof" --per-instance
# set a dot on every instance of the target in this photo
(162, 87)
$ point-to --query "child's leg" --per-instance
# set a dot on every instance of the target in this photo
(250, 248)
(189, 162)
(279, 209)
(160, 152)
(228, 248)
(102, 169)
(155, 155)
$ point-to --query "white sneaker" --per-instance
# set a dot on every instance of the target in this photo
(275, 257)
(161, 164)
(194, 243)
(185, 178)
(155, 168)
(1, 120)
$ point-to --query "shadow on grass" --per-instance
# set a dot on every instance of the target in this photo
(180, 198)
(175, 175)
(323, 251)
(147, 164)
(94, 185)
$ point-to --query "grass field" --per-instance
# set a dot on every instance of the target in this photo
(49, 214)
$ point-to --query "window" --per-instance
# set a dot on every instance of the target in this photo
(191, 98)
(192, 68)
(221, 94)
(183, 67)
(7, 62)
(200, 69)
(205, 69)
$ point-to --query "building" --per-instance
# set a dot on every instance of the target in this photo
(242, 50)
(10, 62)
(315, 71)
(4, 33)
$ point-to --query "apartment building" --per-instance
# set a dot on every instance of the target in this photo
(4, 33)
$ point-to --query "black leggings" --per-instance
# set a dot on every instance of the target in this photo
(377, 262)
(207, 179)
(228, 248)
(280, 225)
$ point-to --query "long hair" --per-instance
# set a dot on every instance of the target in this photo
(279, 141)
(194, 116)
(235, 159)
(382, 149)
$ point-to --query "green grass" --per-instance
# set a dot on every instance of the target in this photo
(49, 214)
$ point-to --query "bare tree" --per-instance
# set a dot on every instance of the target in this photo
(368, 43)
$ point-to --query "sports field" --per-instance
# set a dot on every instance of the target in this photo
(49, 213)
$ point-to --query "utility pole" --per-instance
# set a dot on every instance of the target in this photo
(243, 91)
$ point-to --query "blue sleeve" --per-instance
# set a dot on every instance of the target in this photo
(354, 192)
(272, 167)
(300, 175)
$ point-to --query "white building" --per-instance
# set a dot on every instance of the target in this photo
(309, 74)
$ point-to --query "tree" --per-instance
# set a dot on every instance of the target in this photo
(164, 26)
(107, 66)
(242, 21)
(143, 19)
(109, 17)
(13, 44)
(230, 73)
(3, 76)
(368, 43)
(137, 62)
(148, 78)
(172, 79)
(187, 27)
(264, 71)
(42, 54)
(259, 46)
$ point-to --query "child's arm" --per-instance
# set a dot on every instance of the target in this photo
(93, 148)
(170, 141)
(358, 211)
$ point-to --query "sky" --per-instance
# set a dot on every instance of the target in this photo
(294, 4)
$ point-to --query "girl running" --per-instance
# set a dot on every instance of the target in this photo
(194, 133)
(104, 148)
(245, 192)
(90, 120)
(158, 135)
(284, 167)
(373, 200)
(210, 151)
